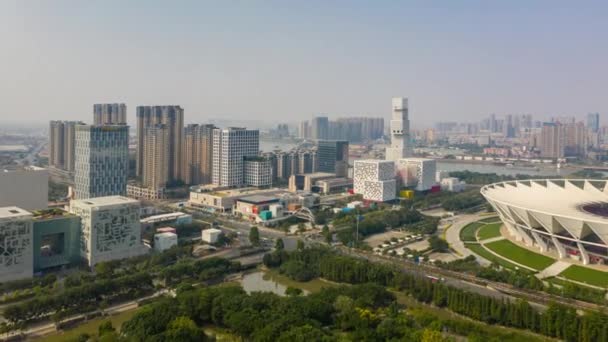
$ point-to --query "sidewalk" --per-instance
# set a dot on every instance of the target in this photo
(453, 237)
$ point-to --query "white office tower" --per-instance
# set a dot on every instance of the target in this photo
(400, 131)
(231, 146)
(110, 228)
(418, 173)
(16, 244)
(375, 180)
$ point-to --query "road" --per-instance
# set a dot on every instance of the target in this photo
(243, 228)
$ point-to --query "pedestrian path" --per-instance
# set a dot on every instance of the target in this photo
(553, 270)
(497, 238)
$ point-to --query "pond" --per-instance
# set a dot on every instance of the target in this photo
(272, 281)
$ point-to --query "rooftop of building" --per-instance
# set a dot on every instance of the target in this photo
(162, 217)
(336, 181)
(109, 200)
(373, 161)
(259, 199)
(315, 175)
(25, 168)
(9, 212)
(45, 214)
(165, 234)
(236, 192)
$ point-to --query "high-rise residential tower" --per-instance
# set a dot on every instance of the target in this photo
(230, 148)
(102, 160)
(593, 122)
(552, 140)
(198, 154)
(173, 118)
(61, 144)
(156, 153)
(110, 114)
(400, 131)
(319, 128)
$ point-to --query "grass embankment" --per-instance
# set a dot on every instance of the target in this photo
(467, 234)
(586, 275)
(484, 253)
(489, 231)
(520, 255)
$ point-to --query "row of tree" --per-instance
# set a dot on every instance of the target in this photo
(558, 321)
(80, 298)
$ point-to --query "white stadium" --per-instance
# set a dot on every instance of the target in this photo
(566, 216)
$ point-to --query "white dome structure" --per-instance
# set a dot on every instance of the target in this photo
(568, 216)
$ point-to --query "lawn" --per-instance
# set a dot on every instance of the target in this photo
(489, 231)
(520, 255)
(586, 275)
(484, 253)
(90, 327)
(490, 219)
(468, 232)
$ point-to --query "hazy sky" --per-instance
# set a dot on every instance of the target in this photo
(290, 60)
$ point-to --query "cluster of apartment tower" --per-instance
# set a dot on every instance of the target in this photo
(96, 156)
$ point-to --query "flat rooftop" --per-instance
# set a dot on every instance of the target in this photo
(109, 200)
(50, 213)
(259, 199)
(9, 212)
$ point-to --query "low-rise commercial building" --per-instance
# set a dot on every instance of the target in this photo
(307, 181)
(211, 235)
(257, 206)
(328, 186)
(164, 241)
(452, 184)
(144, 193)
(222, 199)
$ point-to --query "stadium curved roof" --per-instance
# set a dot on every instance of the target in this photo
(578, 206)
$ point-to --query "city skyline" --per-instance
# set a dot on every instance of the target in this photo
(435, 55)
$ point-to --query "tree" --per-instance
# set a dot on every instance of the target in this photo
(300, 245)
(327, 234)
(438, 244)
(302, 334)
(293, 291)
(105, 328)
(279, 245)
(254, 236)
(301, 227)
(183, 329)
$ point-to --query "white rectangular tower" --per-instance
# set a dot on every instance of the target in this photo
(16, 244)
(110, 228)
(400, 131)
